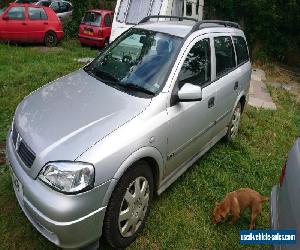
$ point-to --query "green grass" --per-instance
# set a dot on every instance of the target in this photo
(181, 217)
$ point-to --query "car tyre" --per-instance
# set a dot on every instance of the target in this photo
(129, 205)
(106, 42)
(50, 39)
(234, 123)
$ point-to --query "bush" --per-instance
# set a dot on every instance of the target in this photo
(272, 26)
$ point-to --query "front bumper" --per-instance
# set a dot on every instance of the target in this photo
(69, 221)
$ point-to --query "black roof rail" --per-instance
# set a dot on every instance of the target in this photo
(180, 18)
(197, 26)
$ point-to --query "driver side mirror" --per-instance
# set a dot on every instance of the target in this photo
(5, 18)
(190, 93)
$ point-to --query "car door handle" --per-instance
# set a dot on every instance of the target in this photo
(24, 24)
(45, 23)
(211, 102)
(236, 85)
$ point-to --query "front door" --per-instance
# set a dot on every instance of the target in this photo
(14, 28)
(190, 123)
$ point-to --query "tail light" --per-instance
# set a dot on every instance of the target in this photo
(282, 175)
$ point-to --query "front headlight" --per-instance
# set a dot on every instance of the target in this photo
(68, 177)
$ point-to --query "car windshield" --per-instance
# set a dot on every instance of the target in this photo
(138, 61)
(92, 18)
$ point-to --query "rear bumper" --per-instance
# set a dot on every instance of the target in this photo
(69, 221)
(93, 41)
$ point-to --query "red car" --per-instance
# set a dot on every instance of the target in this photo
(30, 23)
(95, 28)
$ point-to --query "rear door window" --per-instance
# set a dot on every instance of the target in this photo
(37, 14)
(55, 7)
(241, 49)
(16, 13)
(225, 56)
(64, 7)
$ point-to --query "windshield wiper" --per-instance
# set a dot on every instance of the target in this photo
(104, 75)
(135, 87)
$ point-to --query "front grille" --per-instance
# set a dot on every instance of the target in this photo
(24, 151)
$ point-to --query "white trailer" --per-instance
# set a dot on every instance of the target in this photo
(129, 12)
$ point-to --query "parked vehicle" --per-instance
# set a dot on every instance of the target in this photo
(30, 23)
(95, 28)
(285, 201)
(88, 151)
(63, 9)
(129, 13)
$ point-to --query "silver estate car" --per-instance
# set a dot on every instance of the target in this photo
(88, 151)
(285, 201)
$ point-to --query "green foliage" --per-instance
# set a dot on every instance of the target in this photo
(272, 26)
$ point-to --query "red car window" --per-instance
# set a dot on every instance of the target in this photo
(37, 14)
(16, 13)
(107, 21)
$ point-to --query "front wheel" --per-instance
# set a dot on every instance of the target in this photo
(50, 39)
(129, 206)
(234, 124)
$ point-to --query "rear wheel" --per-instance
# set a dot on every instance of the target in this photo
(106, 42)
(50, 39)
(234, 124)
(129, 206)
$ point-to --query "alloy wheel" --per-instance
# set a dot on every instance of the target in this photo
(134, 207)
(235, 123)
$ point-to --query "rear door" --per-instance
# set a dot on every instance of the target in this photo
(15, 27)
(226, 79)
(38, 23)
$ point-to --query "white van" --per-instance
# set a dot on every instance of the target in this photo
(129, 12)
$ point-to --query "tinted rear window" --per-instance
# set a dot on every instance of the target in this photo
(225, 56)
(241, 49)
(92, 18)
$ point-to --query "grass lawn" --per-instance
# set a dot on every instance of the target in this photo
(181, 217)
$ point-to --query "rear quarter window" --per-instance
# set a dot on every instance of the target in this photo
(241, 49)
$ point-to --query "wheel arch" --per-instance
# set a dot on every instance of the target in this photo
(149, 154)
(243, 102)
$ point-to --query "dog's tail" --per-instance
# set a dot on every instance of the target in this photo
(264, 198)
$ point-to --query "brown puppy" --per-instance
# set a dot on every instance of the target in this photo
(235, 202)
